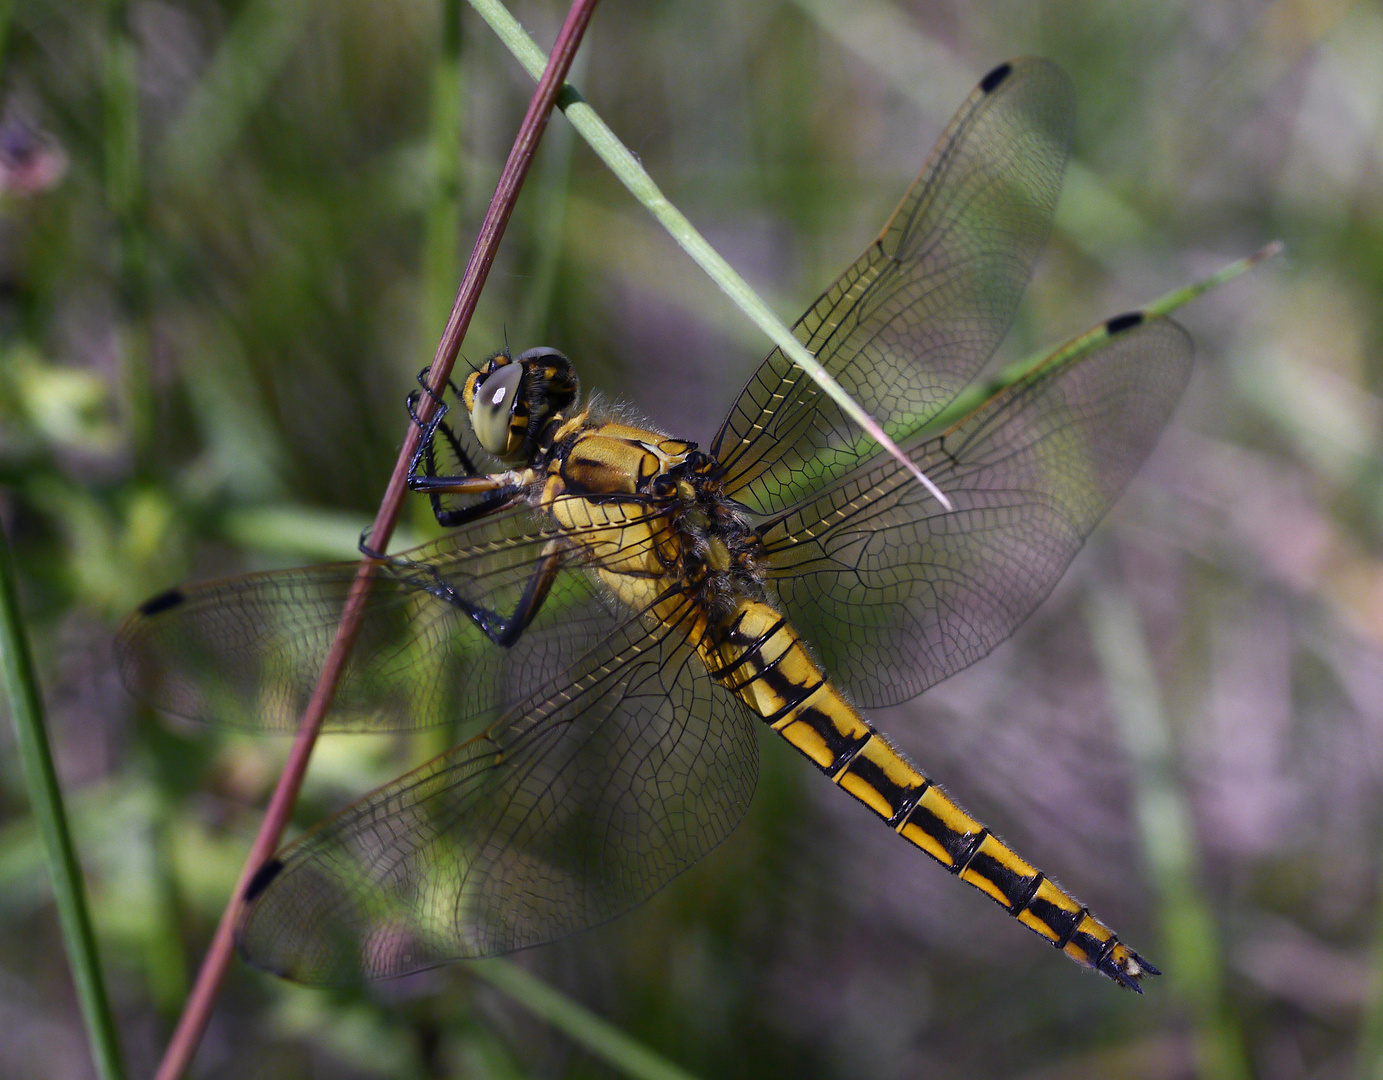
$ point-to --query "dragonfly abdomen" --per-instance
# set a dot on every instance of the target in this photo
(760, 659)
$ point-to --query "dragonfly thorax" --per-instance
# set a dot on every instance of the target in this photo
(720, 551)
(649, 514)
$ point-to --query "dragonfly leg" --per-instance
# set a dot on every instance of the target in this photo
(496, 499)
(438, 424)
(426, 454)
(499, 489)
(502, 630)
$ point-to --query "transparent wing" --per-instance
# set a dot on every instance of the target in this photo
(911, 323)
(584, 799)
(896, 594)
(246, 652)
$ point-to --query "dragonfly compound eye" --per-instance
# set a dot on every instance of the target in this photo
(492, 413)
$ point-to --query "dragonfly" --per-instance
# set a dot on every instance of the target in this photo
(611, 611)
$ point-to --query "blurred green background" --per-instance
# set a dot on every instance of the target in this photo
(229, 235)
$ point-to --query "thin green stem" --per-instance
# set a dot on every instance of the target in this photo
(551, 197)
(582, 1026)
(26, 707)
(1165, 305)
(6, 17)
(1369, 1065)
(124, 185)
(1194, 960)
(622, 162)
(441, 260)
(121, 118)
(236, 81)
(972, 397)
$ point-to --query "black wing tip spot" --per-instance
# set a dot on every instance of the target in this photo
(155, 605)
(1127, 321)
(262, 877)
(991, 82)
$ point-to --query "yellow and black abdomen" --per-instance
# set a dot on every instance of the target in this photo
(760, 659)
(599, 490)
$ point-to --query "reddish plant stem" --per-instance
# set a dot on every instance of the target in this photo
(192, 1024)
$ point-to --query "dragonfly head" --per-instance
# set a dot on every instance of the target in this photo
(512, 399)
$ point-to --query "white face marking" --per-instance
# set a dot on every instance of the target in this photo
(498, 396)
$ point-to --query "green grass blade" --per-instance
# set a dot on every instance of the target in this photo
(121, 119)
(6, 18)
(976, 395)
(598, 1036)
(1369, 1059)
(1193, 962)
(237, 80)
(622, 162)
(124, 189)
(21, 689)
(552, 194)
(442, 223)
(1165, 305)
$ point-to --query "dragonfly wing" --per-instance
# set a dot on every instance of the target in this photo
(578, 804)
(911, 323)
(247, 652)
(896, 594)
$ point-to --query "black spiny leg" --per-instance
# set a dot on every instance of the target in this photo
(504, 632)
(426, 457)
(499, 629)
(497, 491)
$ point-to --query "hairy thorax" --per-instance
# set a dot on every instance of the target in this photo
(651, 516)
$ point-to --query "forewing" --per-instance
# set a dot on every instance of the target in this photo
(911, 323)
(896, 594)
(578, 804)
(247, 652)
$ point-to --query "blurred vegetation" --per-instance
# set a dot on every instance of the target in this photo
(229, 233)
